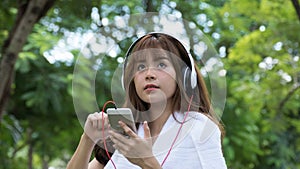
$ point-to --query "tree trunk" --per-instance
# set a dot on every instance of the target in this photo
(29, 13)
(45, 162)
(30, 149)
(30, 156)
(149, 6)
(297, 7)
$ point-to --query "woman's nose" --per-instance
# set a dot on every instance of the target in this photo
(150, 74)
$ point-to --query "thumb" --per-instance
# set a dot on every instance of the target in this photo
(147, 133)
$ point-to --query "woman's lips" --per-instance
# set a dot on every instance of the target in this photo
(150, 87)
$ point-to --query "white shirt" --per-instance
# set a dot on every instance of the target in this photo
(197, 147)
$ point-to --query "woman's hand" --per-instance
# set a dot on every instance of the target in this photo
(94, 125)
(137, 150)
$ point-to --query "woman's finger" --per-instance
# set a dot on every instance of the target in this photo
(128, 130)
(118, 138)
(93, 120)
(120, 142)
(96, 120)
(147, 133)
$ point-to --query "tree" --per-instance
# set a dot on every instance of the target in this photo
(29, 13)
(263, 76)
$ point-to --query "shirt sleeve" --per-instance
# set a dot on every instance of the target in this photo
(100, 153)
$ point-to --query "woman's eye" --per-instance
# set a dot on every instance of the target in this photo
(161, 65)
(141, 67)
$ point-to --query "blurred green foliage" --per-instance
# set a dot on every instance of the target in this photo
(258, 42)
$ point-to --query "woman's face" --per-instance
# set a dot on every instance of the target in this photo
(154, 78)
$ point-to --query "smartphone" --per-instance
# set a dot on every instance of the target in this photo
(120, 114)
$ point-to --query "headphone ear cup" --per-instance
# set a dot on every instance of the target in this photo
(188, 78)
(186, 72)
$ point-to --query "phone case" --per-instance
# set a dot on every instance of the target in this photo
(120, 114)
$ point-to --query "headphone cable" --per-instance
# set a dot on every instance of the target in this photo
(178, 132)
(103, 135)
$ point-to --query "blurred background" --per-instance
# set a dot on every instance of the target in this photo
(42, 42)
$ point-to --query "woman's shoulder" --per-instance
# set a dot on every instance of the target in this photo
(197, 116)
(203, 126)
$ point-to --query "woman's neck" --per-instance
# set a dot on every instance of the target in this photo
(161, 113)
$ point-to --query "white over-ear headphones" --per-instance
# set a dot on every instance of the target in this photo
(189, 73)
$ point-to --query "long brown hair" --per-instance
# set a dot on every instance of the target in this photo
(201, 100)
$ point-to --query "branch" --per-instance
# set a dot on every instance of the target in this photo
(288, 96)
(297, 7)
(29, 14)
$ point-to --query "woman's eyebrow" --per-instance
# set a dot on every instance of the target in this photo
(140, 60)
(155, 58)
(161, 57)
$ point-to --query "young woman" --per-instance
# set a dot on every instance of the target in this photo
(177, 127)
